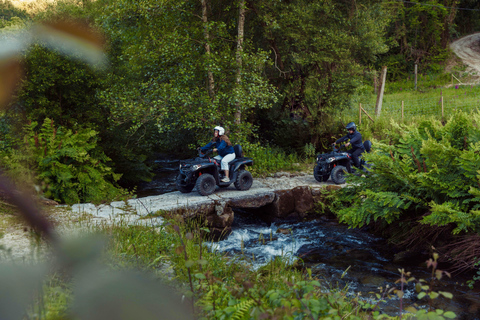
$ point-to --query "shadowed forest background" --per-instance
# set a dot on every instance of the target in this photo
(276, 74)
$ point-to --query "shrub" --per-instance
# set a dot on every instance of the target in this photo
(425, 174)
(66, 165)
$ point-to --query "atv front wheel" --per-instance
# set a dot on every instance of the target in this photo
(338, 174)
(244, 180)
(317, 173)
(206, 184)
(181, 186)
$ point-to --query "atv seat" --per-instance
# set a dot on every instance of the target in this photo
(368, 145)
(238, 151)
(238, 154)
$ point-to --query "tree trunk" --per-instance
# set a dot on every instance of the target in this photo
(241, 25)
(211, 82)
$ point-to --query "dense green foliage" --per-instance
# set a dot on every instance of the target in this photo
(422, 172)
(65, 165)
(177, 69)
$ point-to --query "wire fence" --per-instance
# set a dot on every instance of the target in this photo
(440, 105)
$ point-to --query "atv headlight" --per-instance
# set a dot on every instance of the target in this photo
(331, 159)
(196, 166)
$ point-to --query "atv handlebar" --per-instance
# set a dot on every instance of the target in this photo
(203, 155)
(340, 146)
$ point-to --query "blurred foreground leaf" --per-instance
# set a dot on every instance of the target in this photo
(10, 75)
(101, 294)
(72, 38)
(18, 284)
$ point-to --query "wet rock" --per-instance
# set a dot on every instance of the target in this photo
(284, 204)
(246, 200)
(218, 234)
(473, 301)
(303, 199)
(309, 254)
(221, 221)
(284, 231)
(360, 254)
(374, 281)
(409, 256)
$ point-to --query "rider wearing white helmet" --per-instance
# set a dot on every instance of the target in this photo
(224, 147)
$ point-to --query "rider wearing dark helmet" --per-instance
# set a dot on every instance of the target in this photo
(356, 142)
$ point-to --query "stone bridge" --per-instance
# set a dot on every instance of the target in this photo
(282, 196)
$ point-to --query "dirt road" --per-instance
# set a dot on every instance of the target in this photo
(468, 49)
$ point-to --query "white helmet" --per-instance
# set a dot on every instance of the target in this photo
(221, 131)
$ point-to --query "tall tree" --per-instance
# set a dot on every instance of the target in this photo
(206, 34)
(240, 36)
(320, 49)
(419, 33)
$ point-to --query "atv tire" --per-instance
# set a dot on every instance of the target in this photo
(206, 184)
(181, 186)
(244, 180)
(338, 174)
(318, 175)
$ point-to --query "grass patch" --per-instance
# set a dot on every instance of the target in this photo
(268, 159)
(419, 103)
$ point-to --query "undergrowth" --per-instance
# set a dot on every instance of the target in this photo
(424, 172)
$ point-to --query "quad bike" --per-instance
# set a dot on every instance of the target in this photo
(205, 173)
(334, 164)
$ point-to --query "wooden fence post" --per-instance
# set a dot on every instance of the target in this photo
(402, 110)
(415, 77)
(360, 114)
(441, 100)
(378, 105)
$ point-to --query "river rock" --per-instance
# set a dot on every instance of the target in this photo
(221, 221)
(303, 199)
(412, 257)
(282, 206)
(220, 233)
(284, 231)
(360, 254)
(245, 200)
(374, 281)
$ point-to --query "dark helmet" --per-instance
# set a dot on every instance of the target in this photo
(351, 126)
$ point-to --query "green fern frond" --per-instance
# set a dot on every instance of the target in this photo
(241, 309)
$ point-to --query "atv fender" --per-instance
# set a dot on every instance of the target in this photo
(243, 162)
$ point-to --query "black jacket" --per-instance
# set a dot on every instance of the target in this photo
(355, 140)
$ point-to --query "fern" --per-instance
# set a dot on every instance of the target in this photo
(430, 168)
(67, 165)
(241, 309)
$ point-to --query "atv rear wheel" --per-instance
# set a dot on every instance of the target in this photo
(244, 180)
(206, 184)
(338, 174)
(317, 173)
(181, 186)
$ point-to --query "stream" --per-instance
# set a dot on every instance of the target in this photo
(349, 259)
(344, 258)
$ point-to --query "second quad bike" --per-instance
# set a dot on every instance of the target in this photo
(334, 164)
(204, 173)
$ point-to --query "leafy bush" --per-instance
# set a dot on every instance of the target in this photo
(423, 172)
(269, 159)
(66, 165)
